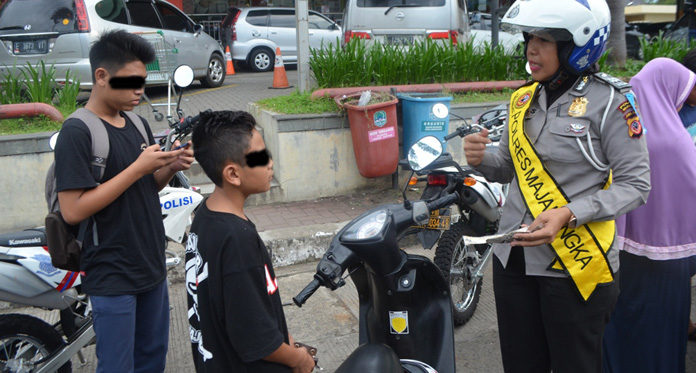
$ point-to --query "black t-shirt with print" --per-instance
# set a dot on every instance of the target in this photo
(129, 257)
(235, 312)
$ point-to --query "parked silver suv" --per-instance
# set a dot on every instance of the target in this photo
(255, 33)
(60, 32)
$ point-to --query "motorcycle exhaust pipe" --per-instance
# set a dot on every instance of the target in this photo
(473, 200)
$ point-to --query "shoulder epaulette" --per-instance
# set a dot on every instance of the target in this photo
(582, 84)
(617, 83)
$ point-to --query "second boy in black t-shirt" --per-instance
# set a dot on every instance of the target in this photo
(235, 313)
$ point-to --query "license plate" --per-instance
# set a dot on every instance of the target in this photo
(31, 47)
(400, 40)
(439, 220)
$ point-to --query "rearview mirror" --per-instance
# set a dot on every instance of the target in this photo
(183, 76)
(52, 141)
(424, 152)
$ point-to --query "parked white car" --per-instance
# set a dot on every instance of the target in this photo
(60, 32)
(481, 32)
(256, 32)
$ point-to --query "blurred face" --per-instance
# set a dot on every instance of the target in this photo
(257, 174)
(542, 55)
(124, 87)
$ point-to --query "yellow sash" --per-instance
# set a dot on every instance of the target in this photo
(580, 251)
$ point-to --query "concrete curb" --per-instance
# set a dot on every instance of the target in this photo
(296, 245)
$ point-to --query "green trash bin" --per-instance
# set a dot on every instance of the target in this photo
(424, 114)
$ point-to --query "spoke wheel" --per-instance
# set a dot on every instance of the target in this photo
(457, 261)
(25, 340)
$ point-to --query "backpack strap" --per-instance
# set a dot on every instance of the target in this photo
(135, 118)
(100, 140)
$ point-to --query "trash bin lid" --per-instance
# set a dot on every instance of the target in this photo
(425, 96)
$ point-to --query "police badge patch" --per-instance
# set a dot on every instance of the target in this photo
(578, 107)
(635, 128)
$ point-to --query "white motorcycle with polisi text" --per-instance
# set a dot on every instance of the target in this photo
(31, 345)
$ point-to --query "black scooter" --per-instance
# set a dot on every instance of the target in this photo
(405, 313)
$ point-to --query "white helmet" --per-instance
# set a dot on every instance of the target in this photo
(585, 22)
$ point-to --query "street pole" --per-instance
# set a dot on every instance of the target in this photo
(302, 11)
(494, 23)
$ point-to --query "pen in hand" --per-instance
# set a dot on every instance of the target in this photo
(186, 145)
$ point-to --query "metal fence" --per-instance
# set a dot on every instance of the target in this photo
(211, 24)
(213, 29)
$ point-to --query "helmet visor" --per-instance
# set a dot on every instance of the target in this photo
(551, 34)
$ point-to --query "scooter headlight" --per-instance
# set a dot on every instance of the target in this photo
(368, 227)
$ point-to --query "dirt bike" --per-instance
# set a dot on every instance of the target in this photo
(476, 213)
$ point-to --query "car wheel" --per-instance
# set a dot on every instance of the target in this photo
(215, 75)
(261, 59)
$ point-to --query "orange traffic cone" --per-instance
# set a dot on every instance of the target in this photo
(280, 80)
(228, 57)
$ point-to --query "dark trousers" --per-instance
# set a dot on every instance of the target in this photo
(543, 322)
(647, 332)
(132, 331)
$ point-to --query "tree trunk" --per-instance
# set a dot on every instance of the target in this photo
(617, 36)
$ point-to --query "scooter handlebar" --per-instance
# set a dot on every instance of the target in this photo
(451, 135)
(307, 292)
(186, 124)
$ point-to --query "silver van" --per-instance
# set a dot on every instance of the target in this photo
(402, 22)
(60, 32)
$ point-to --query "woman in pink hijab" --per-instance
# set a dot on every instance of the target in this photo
(647, 330)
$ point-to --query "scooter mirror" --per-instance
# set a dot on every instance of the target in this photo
(424, 152)
(183, 76)
(52, 141)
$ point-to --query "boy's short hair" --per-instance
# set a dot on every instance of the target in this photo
(689, 60)
(115, 48)
(220, 137)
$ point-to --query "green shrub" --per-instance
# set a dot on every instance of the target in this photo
(659, 46)
(67, 94)
(11, 91)
(39, 82)
(427, 61)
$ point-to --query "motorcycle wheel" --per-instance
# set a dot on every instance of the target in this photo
(457, 262)
(24, 340)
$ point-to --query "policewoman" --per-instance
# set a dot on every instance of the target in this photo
(576, 157)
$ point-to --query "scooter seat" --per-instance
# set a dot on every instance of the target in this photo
(371, 358)
(25, 238)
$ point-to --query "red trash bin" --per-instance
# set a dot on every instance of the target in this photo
(374, 131)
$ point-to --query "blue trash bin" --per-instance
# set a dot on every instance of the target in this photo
(423, 116)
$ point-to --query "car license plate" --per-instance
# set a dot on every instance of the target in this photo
(439, 220)
(31, 47)
(400, 40)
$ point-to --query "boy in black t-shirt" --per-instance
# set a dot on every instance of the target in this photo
(236, 317)
(123, 250)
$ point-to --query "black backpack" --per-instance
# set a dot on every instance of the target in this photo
(65, 240)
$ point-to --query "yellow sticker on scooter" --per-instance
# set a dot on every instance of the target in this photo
(399, 322)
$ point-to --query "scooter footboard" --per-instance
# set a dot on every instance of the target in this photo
(415, 316)
(371, 357)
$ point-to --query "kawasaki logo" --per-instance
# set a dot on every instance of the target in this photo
(25, 241)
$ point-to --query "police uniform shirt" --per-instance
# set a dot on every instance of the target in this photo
(555, 134)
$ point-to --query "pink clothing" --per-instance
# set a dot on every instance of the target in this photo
(662, 229)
